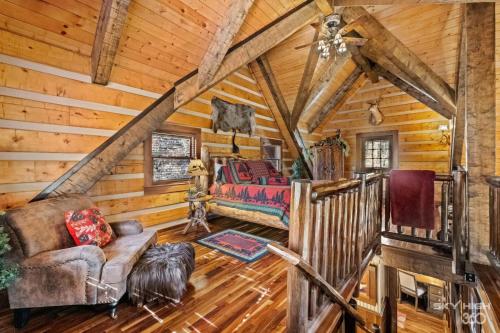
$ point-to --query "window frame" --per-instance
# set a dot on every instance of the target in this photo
(272, 142)
(167, 186)
(361, 138)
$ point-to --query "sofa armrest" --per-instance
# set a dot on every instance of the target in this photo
(92, 254)
(60, 277)
(126, 228)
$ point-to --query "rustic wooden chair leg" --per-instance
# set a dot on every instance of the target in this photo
(113, 310)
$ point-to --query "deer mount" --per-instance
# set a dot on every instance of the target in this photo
(375, 116)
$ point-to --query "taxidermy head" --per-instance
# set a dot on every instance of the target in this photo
(232, 117)
(376, 117)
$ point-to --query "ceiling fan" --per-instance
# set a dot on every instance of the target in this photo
(332, 37)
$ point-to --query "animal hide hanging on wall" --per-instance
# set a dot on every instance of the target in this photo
(376, 117)
(234, 118)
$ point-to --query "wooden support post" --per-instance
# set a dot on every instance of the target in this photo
(480, 118)
(444, 210)
(459, 220)
(459, 120)
(271, 83)
(297, 284)
(391, 279)
(305, 83)
(107, 37)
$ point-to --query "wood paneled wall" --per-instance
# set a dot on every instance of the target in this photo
(419, 146)
(497, 73)
(50, 118)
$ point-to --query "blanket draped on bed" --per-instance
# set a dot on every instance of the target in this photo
(272, 200)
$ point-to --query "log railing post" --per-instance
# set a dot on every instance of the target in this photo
(444, 210)
(494, 203)
(362, 235)
(349, 321)
(387, 203)
(299, 242)
(459, 221)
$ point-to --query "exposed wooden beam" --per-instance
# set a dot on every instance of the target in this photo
(401, 56)
(107, 37)
(402, 2)
(278, 102)
(229, 26)
(250, 49)
(305, 83)
(459, 121)
(83, 175)
(410, 90)
(362, 62)
(99, 162)
(337, 99)
(326, 6)
(331, 71)
(480, 97)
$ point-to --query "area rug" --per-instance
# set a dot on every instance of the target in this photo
(240, 245)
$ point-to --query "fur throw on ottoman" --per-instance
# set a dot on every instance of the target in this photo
(162, 272)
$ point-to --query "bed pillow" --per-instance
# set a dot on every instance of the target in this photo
(224, 175)
(258, 168)
(280, 180)
(88, 227)
(272, 170)
(240, 172)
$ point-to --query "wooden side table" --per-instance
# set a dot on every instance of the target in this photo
(197, 212)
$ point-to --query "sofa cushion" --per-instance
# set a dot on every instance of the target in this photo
(88, 227)
(123, 253)
(40, 226)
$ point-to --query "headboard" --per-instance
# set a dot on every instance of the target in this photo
(209, 160)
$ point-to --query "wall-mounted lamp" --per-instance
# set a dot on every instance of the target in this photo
(445, 137)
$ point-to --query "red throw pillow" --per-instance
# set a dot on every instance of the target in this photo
(87, 227)
(281, 180)
(258, 168)
(240, 172)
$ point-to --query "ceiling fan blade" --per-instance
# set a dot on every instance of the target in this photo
(306, 45)
(355, 41)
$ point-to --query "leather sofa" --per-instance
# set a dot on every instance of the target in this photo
(55, 272)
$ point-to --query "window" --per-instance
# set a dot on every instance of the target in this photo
(167, 153)
(270, 150)
(377, 151)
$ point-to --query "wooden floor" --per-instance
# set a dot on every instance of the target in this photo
(416, 322)
(225, 295)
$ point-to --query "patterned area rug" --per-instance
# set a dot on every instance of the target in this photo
(242, 246)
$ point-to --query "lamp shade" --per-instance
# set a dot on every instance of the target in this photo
(196, 168)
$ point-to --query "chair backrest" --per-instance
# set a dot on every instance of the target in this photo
(40, 226)
(407, 281)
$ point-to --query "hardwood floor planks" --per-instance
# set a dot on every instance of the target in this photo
(224, 295)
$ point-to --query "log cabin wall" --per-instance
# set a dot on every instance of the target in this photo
(51, 116)
(497, 73)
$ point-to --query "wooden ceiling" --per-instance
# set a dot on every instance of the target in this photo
(164, 40)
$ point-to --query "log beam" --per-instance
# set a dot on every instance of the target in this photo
(459, 122)
(337, 100)
(410, 90)
(83, 175)
(107, 37)
(249, 50)
(363, 62)
(326, 6)
(401, 56)
(305, 83)
(331, 71)
(279, 108)
(480, 119)
(231, 23)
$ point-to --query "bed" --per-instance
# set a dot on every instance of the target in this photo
(267, 204)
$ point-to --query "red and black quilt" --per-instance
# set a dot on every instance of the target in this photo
(272, 200)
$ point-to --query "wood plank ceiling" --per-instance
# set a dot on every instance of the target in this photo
(164, 40)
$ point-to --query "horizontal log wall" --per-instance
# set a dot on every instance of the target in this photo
(51, 118)
(497, 73)
(419, 146)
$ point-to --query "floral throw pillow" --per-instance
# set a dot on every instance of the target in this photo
(88, 227)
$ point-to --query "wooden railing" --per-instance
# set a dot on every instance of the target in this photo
(335, 228)
(494, 255)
